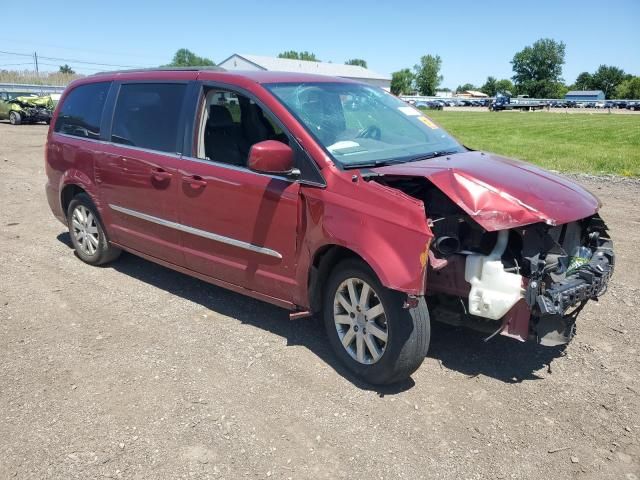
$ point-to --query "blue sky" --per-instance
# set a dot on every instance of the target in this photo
(474, 39)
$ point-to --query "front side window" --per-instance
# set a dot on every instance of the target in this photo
(230, 125)
(147, 115)
(81, 112)
(361, 125)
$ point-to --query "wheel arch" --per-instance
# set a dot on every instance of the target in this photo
(324, 261)
(75, 181)
(73, 185)
(67, 194)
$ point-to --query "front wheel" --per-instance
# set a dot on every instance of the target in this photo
(368, 328)
(15, 118)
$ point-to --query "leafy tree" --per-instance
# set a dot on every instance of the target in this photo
(607, 78)
(427, 74)
(489, 86)
(561, 90)
(66, 69)
(583, 82)
(466, 86)
(402, 82)
(629, 88)
(186, 58)
(294, 55)
(538, 68)
(357, 61)
(505, 85)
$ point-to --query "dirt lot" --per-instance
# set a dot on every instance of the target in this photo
(134, 371)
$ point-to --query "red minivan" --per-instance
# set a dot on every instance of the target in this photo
(321, 194)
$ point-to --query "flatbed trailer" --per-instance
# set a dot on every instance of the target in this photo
(528, 107)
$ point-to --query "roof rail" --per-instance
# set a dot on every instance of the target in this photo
(166, 69)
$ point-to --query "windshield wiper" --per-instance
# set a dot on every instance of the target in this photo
(439, 153)
(377, 163)
(382, 163)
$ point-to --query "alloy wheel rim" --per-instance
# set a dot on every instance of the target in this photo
(85, 229)
(360, 321)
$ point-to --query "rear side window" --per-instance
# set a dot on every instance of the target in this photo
(81, 111)
(147, 115)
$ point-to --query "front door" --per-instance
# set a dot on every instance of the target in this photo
(240, 226)
(138, 172)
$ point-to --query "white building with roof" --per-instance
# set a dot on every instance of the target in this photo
(274, 64)
(472, 94)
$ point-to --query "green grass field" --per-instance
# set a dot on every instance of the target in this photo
(597, 143)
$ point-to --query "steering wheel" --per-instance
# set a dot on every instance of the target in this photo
(371, 131)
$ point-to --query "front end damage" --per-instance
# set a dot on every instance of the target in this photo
(556, 291)
(33, 109)
(508, 274)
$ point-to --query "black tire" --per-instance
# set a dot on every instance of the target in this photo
(408, 330)
(15, 118)
(104, 252)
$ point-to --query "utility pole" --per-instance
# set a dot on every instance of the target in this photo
(35, 61)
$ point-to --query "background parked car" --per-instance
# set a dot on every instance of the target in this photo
(26, 108)
(429, 104)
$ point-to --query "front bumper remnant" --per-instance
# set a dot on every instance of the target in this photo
(554, 324)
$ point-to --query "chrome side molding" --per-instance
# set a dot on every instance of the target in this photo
(196, 231)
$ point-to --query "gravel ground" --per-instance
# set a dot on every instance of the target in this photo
(135, 371)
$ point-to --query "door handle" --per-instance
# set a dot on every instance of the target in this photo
(195, 181)
(160, 174)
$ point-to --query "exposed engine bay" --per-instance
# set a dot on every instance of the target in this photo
(527, 282)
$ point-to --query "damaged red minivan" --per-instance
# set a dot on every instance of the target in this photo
(321, 194)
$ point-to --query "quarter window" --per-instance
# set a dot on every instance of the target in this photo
(81, 112)
(147, 115)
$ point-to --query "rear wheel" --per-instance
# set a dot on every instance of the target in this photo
(15, 118)
(368, 328)
(87, 233)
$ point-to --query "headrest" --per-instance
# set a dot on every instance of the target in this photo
(219, 117)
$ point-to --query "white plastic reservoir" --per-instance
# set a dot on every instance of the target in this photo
(493, 291)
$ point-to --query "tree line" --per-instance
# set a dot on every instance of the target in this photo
(537, 72)
(186, 58)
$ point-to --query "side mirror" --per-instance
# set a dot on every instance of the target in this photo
(271, 156)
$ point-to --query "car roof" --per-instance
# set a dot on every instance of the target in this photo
(212, 74)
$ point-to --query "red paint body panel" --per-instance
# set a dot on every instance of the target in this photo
(500, 193)
(146, 182)
(69, 161)
(383, 226)
(246, 206)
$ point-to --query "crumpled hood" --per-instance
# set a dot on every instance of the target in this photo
(33, 101)
(501, 193)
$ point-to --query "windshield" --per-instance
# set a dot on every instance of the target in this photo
(361, 125)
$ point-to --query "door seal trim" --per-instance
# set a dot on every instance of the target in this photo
(196, 231)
